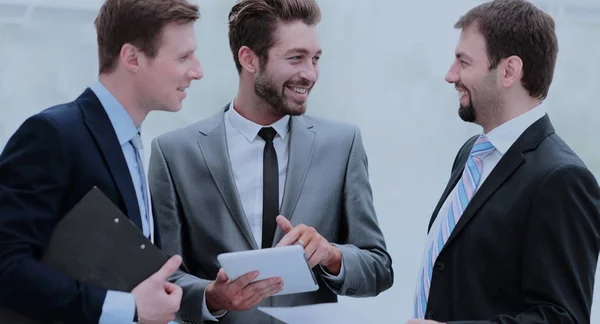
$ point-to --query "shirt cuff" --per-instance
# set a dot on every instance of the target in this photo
(118, 307)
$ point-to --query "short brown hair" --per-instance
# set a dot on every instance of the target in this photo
(253, 23)
(517, 27)
(137, 22)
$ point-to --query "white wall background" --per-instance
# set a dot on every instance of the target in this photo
(383, 67)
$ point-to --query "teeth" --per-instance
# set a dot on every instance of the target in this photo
(299, 90)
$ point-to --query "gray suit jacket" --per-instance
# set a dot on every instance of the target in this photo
(200, 215)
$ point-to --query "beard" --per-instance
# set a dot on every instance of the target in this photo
(467, 112)
(267, 90)
(487, 105)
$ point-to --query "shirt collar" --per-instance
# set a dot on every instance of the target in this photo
(250, 129)
(119, 117)
(505, 135)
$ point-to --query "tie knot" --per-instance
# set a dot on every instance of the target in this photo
(137, 142)
(482, 147)
(267, 133)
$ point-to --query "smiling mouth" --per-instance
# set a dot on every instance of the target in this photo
(298, 90)
(462, 93)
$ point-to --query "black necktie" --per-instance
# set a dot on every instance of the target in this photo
(270, 187)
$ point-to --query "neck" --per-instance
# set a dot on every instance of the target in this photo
(253, 108)
(508, 111)
(124, 92)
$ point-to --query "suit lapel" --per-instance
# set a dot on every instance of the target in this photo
(301, 149)
(213, 147)
(503, 170)
(100, 127)
(507, 165)
(454, 177)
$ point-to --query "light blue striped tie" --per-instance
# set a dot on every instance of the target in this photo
(460, 197)
(136, 141)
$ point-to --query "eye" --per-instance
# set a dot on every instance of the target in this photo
(463, 63)
(296, 58)
(316, 59)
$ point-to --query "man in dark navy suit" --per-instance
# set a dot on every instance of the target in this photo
(515, 235)
(146, 59)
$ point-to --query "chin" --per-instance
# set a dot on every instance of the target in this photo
(297, 111)
(174, 107)
(298, 107)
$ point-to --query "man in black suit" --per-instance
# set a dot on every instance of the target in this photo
(146, 56)
(515, 235)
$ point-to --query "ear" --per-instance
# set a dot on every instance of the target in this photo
(512, 71)
(130, 57)
(248, 59)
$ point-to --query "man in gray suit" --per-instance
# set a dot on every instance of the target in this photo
(260, 174)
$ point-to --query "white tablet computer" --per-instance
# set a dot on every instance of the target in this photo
(288, 263)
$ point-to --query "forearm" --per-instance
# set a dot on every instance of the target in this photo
(30, 287)
(193, 301)
(362, 244)
(366, 273)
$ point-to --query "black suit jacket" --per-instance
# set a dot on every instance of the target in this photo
(526, 248)
(47, 166)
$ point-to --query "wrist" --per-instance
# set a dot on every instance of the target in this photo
(334, 265)
(208, 294)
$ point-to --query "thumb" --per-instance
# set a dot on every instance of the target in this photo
(284, 224)
(168, 268)
(221, 277)
(170, 287)
(174, 291)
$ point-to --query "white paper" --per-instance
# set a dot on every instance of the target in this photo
(316, 314)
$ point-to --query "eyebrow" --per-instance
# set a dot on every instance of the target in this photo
(301, 51)
(462, 55)
(188, 52)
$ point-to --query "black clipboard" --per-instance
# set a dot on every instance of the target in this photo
(95, 243)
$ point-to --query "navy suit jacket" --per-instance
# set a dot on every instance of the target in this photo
(525, 250)
(47, 166)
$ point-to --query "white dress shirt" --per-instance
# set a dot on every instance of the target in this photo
(245, 149)
(502, 137)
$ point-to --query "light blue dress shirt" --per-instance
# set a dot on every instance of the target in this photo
(119, 307)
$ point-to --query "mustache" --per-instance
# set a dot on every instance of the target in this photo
(299, 83)
(460, 86)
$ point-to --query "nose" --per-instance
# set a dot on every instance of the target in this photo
(310, 72)
(453, 75)
(196, 73)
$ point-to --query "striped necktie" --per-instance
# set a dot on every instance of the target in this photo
(460, 197)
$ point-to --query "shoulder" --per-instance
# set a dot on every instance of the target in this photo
(59, 120)
(556, 159)
(184, 136)
(330, 131)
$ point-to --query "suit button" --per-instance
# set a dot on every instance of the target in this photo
(439, 266)
(431, 315)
